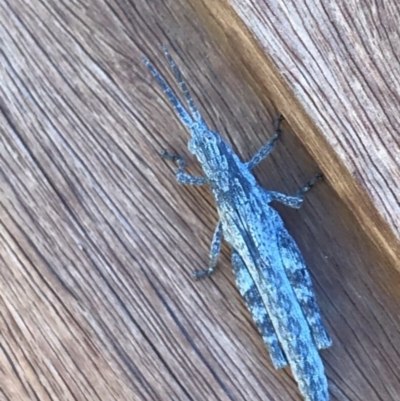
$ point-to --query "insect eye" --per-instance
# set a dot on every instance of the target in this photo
(209, 137)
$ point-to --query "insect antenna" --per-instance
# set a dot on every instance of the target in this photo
(180, 110)
(178, 75)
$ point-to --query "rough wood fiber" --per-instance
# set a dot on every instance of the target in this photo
(334, 68)
(97, 242)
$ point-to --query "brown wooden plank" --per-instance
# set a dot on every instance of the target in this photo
(333, 69)
(98, 242)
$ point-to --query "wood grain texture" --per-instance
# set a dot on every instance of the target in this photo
(98, 243)
(334, 68)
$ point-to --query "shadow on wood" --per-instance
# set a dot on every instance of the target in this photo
(332, 66)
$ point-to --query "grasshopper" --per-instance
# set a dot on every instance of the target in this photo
(269, 268)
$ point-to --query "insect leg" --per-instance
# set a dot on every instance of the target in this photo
(182, 177)
(268, 147)
(249, 291)
(300, 280)
(309, 185)
(214, 253)
(292, 201)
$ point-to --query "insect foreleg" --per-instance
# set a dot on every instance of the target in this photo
(268, 147)
(214, 253)
(182, 177)
(249, 291)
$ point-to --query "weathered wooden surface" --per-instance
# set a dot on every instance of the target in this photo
(98, 242)
(334, 66)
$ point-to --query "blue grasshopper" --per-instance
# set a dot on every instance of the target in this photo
(269, 268)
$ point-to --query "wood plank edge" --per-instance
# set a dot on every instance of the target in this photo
(260, 72)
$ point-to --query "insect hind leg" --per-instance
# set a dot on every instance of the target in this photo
(249, 291)
(299, 277)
